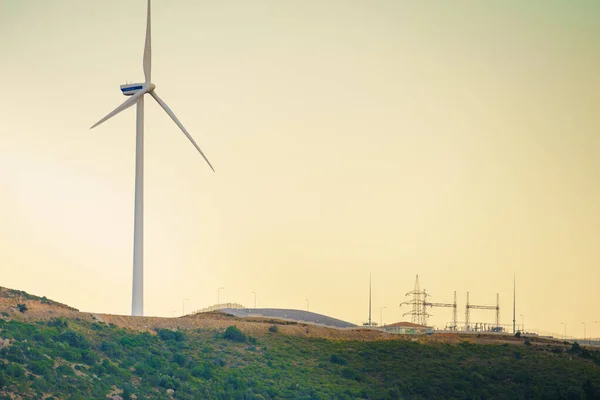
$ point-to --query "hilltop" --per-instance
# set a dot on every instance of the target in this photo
(43, 309)
(51, 351)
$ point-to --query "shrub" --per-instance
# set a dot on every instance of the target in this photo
(127, 392)
(169, 335)
(59, 322)
(22, 308)
(15, 370)
(111, 349)
(273, 329)
(349, 374)
(179, 359)
(202, 371)
(233, 333)
(575, 348)
(65, 369)
(518, 334)
(338, 360)
(42, 368)
(74, 339)
(89, 357)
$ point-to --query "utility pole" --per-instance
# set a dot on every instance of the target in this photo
(514, 303)
(218, 294)
(183, 307)
(381, 315)
(254, 300)
(369, 298)
(467, 327)
(307, 304)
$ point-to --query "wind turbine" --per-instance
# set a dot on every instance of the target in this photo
(137, 92)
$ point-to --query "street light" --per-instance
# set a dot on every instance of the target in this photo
(183, 307)
(381, 315)
(218, 293)
(565, 335)
(254, 300)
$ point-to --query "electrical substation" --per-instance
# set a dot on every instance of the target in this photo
(420, 305)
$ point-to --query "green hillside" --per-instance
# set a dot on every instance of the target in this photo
(73, 359)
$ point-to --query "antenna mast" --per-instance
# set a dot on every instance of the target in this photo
(514, 302)
(369, 298)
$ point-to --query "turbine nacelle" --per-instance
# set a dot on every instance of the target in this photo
(130, 89)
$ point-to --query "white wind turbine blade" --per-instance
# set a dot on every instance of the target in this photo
(174, 118)
(148, 50)
(125, 105)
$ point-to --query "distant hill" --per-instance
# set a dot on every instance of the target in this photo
(58, 353)
(289, 314)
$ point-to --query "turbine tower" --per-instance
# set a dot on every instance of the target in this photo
(137, 92)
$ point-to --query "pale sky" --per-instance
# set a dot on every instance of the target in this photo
(454, 140)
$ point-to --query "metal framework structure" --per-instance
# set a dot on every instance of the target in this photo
(418, 303)
(419, 306)
(469, 307)
(454, 325)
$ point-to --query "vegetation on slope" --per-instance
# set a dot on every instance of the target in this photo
(18, 296)
(81, 360)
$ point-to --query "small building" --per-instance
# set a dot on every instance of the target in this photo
(407, 328)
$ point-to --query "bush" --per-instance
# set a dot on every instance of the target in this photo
(338, 360)
(575, 348)
(22, 308)
(15, 370)
(169, 335)
(111, 349)
(518, 334)
(74, 339)
(202, 371)
(179, 359)
(42, 368)
(233, 333)
(127, 392)
(349, 374)
(273, 329)
(59, 322)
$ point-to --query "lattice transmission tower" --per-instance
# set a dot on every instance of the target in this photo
(418, 313)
